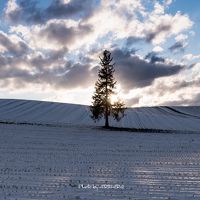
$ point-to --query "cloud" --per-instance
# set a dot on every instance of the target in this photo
(153, 57)
(132, 101)
(24, 11)
(180, 44)
(181, 37)
(135, 72)
(167, 91)
(49, 68)
(167, 2)
(62, 34)
(176, 85)
(72, 9)
(13, 45)
(78, 76)
(55, 35)
(48, 60)
(178, 47)
(158, 49)
(194, 101)
(161, 28)
(69, 20)
(133, 40)
(178, 89)
(189, 57)
(56, 45)
(68, 76)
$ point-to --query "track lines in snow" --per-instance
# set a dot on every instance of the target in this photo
(49, 163)
(39, 112)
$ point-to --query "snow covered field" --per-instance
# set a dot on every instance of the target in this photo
(41, 162)
(163, 118)
(67, 156)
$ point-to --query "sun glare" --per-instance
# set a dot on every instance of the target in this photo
(114, 98)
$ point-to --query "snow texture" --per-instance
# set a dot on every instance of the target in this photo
(54, 151)
(164, 118)
(51, 163)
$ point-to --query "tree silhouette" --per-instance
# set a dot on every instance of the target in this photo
(104, 88)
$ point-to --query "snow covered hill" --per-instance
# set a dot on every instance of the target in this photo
(164, 118)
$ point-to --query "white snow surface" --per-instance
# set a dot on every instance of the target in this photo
(76, 160)
(53, 163)
(164, 118)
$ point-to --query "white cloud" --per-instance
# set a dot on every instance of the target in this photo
(168, 2)
(190, 57)
(158, 49)
(11, 6)
(166, 25)
(181, 37)
(117, 18)
(158, 9)
(165, 91)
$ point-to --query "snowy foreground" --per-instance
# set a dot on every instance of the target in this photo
(52, 151)
(41, 162)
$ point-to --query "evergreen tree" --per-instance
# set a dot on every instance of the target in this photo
(104, 88)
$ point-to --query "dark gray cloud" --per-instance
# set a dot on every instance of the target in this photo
(78, 76)
(178, 47)
(132, 101)
(134, 72)
(73, 9)
(153, 57)
(20, 65)
(192, 65)
(16, 49)
(46, 69)
(67, 76)
(65, 35)
(50, 58)
(30, 12)
(150, 36)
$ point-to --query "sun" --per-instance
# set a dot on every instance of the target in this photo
(114, 98)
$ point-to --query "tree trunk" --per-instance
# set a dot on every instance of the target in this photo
(106, 119)
(106, 113)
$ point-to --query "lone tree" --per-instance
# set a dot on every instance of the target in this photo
(104, 88)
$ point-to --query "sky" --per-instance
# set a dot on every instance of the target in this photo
(49, 50)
